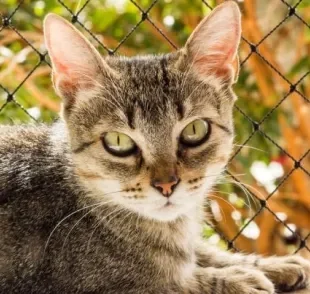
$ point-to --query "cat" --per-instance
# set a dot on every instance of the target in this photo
(110, 199)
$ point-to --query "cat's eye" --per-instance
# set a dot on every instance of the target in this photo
(195, 133)
(118, 144)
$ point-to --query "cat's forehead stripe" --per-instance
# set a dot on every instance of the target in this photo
(165, 76)
(150, 92)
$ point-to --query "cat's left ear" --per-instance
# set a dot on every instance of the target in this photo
(76, 63)
(212, 47)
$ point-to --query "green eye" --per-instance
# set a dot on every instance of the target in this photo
(118, 144)
(195, 133)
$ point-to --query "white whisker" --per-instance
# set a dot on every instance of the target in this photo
(68, 216)
(117, 211)
(89, 212)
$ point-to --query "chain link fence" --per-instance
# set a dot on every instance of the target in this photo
(263, 203)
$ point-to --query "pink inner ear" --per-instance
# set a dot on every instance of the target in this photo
(60, 66)
(219, 60)
(70, 82)
(222, 66)
(214, 43)
(69, 51)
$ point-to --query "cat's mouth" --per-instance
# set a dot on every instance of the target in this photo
(169, 204)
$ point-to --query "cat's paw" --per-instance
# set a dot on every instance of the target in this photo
(235, 280)
(287, 273)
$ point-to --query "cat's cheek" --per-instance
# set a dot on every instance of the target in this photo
(103, 189)
(213, 172)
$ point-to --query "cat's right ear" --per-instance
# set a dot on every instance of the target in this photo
(76, 63)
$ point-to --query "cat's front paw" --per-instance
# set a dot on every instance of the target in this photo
(287, 273)
(234, 280)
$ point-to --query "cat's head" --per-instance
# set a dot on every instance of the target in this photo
(150, 133)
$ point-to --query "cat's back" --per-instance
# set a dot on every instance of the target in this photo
(35, 175)
(19, 148)
(30, 158)
(17, 143)
(35, 193)
(21, 135)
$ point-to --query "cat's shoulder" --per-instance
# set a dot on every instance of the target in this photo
(27, 137)
(38, 143)
(21, 133)
(31, 156)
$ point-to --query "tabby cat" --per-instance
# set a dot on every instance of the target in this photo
(110, 200)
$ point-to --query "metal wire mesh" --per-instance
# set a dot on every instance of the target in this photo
(252, 48)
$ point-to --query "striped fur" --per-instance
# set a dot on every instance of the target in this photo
(77, 219)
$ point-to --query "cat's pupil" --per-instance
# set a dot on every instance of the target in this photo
(196, 133)
(118, 144)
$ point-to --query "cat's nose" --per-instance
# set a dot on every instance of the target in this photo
(166, 187)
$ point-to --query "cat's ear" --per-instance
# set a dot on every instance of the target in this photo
(212, 47)
(76, 63)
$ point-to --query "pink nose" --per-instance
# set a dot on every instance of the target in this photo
(166, 188)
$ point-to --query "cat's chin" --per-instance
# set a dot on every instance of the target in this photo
(166, 212)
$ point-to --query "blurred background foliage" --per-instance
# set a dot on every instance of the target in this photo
(271, 118)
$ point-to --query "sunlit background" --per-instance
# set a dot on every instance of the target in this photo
(271, 160)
